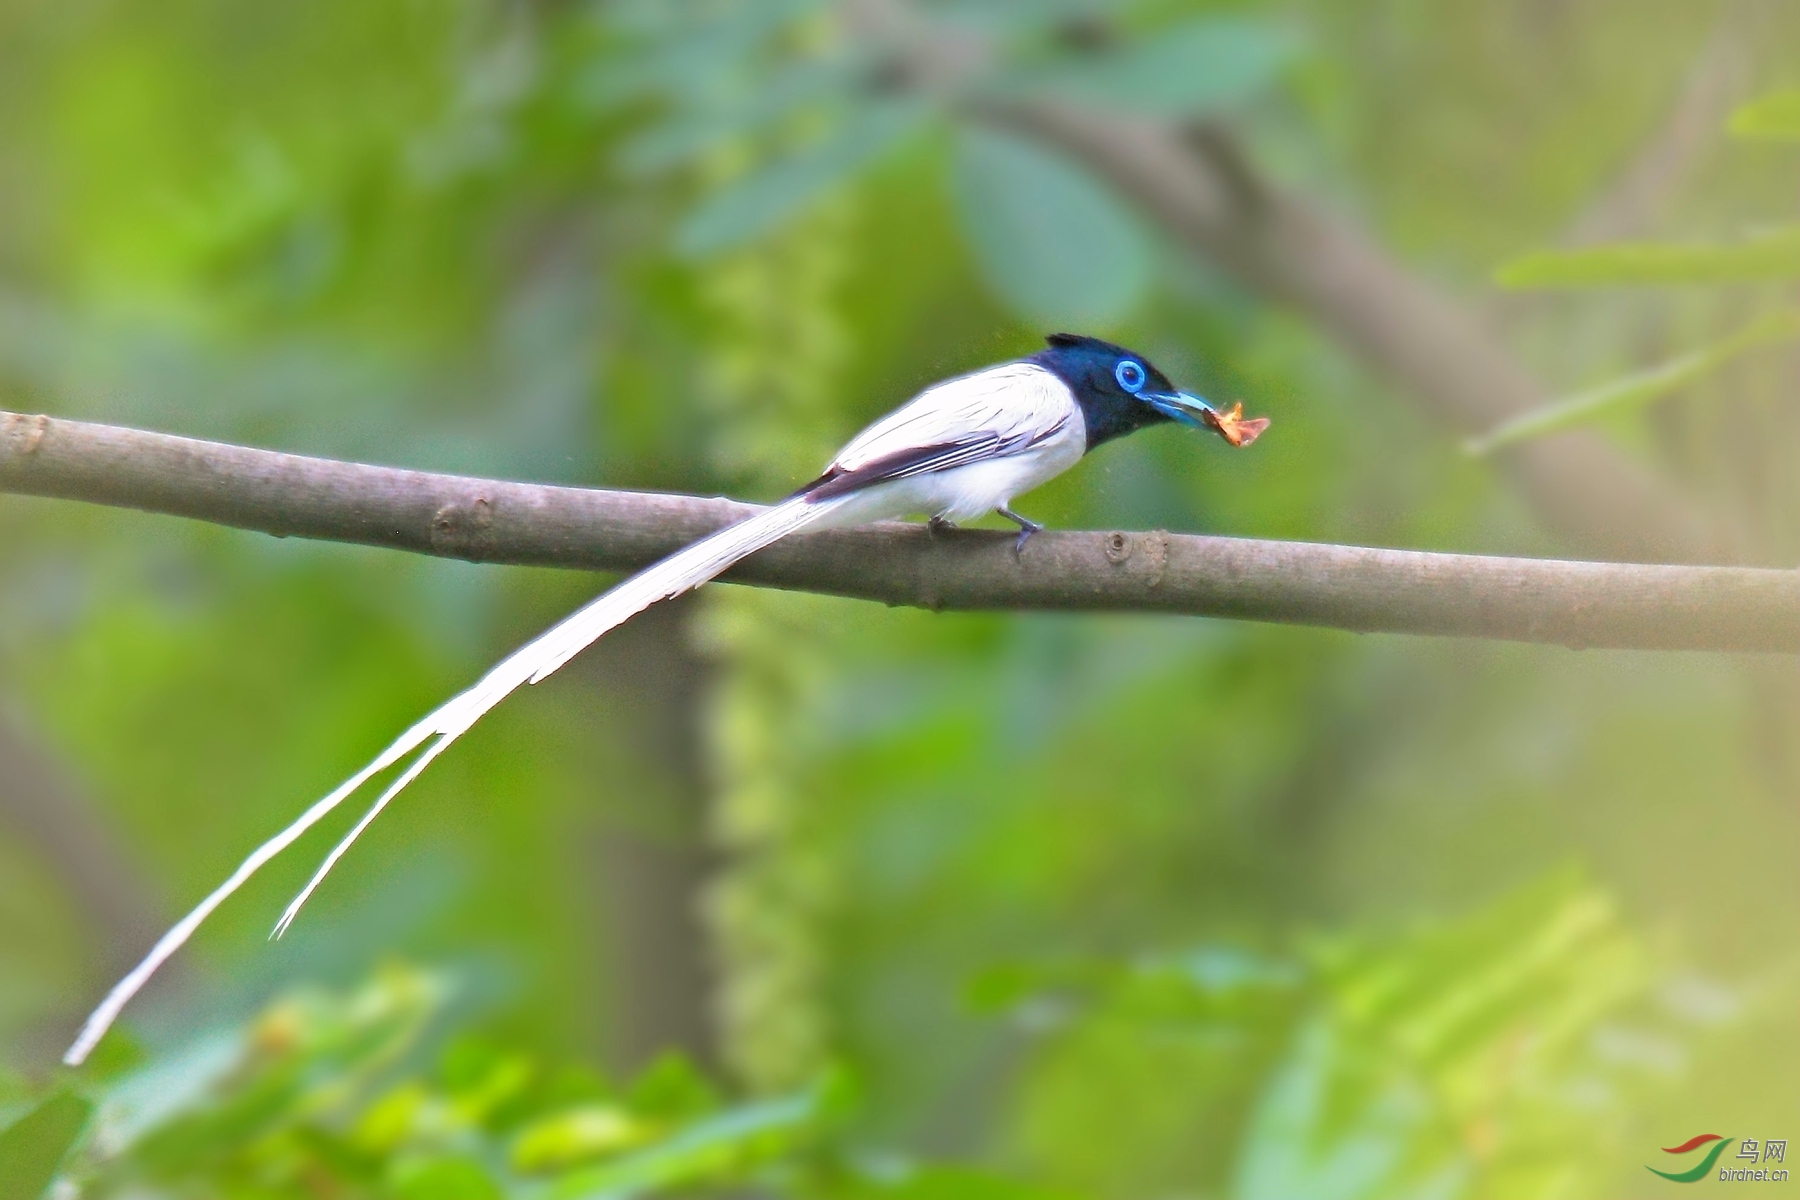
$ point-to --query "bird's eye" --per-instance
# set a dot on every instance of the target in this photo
(1130, 375)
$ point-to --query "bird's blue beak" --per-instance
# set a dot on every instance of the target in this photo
(1189, 410)
(1233, 426)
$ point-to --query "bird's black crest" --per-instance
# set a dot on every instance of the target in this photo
(1069, 341)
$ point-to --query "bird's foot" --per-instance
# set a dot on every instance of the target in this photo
(938, 525)
(1026, 525)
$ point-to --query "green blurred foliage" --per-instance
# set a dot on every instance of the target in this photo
(1640, 388)
(1773, 255)
(345, 1094)
(1085, 906)
(1497, 1054)
(32, 1149)
(1776, 116)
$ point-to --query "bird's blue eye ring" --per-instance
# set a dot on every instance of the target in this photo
(1130, 375)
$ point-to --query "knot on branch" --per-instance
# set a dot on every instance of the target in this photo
(24, 434)
(1119, 548)
(464, 530)
(1156, 543)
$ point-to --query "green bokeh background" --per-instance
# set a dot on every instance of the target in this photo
(952, 856)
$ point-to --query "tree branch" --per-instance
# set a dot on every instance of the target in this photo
(1343, 587)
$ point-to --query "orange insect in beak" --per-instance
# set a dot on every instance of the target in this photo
(1233, 427)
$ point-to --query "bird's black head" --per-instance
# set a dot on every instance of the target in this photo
(1119, 391)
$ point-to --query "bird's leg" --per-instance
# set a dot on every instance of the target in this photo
(939, 525)
(1026, 525)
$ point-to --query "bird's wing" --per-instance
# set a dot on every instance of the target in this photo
(990, 414)
(915, 460)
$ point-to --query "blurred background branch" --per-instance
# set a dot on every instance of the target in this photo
(39, 802)
(49, 815)
(1636, 202)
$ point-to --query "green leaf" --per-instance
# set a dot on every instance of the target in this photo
(446, 1178)
(1197, 67)
(1775, 117)
(1640, 388)
(950, 1183)
(1204, 981)
(34, 1146)
(1051, 240)
(672, 1091)
(1011, 18)
(688, 134)
(1771, 255)
(674, 54)
(166, 1089)
(574, 1135)
(702, 1150)
(780, 190)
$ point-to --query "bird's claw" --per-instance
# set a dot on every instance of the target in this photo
(1026, 525)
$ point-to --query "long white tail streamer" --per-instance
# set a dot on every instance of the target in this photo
(536, 660)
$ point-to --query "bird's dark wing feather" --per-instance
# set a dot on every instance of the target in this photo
(919, 460)
(988, 414)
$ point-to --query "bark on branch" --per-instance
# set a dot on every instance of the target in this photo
(1344, 587)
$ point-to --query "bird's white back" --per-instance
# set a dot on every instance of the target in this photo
(1013, 401)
